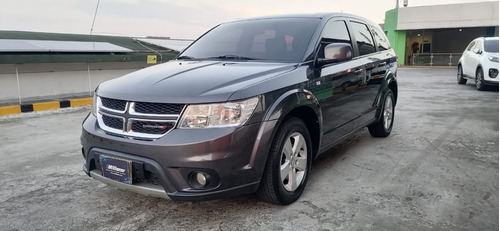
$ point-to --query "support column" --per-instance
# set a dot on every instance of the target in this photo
(396, 38)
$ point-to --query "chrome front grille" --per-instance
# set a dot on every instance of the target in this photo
(113, 122)
(158, 108)
(137, 119)
(151, 127)
(114, 104)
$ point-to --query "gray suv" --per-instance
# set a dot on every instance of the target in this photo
(246, 108)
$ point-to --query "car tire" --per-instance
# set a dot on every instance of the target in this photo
(480, 80)
(460, 75)
(383, 126)
(287, 168)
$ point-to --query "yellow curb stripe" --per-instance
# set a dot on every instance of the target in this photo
(46, 106)
(10, 110)
(80, 102)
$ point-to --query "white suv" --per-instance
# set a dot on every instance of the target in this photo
(479, 62)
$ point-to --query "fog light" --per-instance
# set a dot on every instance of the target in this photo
(493, 73)
(200, 179)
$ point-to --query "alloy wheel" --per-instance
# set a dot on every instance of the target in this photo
(479, 79)
(388, 113)
(293, 162)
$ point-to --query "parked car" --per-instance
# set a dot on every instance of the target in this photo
(244, 109)
(480, 63)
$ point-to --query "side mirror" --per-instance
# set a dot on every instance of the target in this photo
(335, 52)
(477, 51)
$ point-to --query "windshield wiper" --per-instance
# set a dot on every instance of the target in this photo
(185, 57)
(232, 57)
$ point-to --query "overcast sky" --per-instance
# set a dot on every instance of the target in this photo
(173, 18)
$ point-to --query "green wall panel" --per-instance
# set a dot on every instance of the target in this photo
(396, 38)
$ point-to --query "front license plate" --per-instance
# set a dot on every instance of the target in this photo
(116, 169)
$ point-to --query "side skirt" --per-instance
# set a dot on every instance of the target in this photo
(327, 147)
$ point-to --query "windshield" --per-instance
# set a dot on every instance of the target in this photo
(491, 45)
(283, 39)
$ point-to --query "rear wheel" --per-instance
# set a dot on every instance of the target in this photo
(288, 164)
(460, 75)
(480, 80)
(383, 127)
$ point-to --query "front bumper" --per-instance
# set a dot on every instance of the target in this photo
(490, 73)
(144, 189)
(233, 157)
(489, 82)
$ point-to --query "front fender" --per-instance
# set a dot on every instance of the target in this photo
(290, 100)
(277, 111)
(302, 104)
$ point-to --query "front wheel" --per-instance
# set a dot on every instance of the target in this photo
(480, 80)
(287, 168)
(383, 127)
(460, 75)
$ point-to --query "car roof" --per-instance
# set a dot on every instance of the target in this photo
(487, 38)
(491, 38)
(305, 15)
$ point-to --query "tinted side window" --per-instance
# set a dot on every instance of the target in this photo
(381, 39)
(334, 32)
(363, 38)
(478, 46)
(469, 48)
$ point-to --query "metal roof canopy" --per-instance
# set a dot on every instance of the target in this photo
(176, 45)
(21, 45)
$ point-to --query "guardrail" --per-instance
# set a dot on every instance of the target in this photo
(435, 59)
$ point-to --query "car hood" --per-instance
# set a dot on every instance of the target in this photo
(190, 81)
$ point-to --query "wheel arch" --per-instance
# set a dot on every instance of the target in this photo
(479, 66)
(309, 117)
(301, 104)
(393, 85)
(390, 83)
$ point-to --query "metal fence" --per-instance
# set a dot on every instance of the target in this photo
(435, 59)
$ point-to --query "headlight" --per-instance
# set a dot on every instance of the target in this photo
(493, 58)
(218, 115)
(94, 104)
